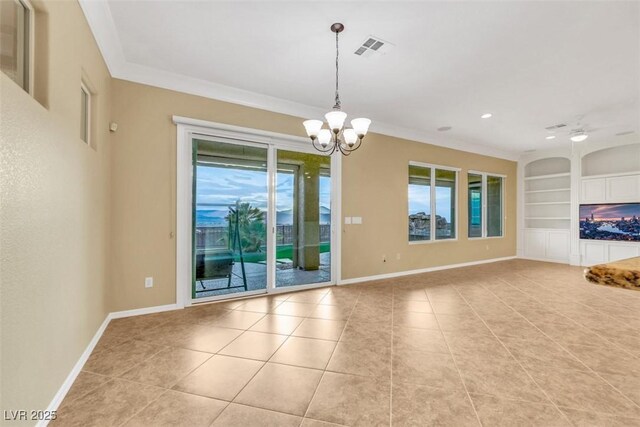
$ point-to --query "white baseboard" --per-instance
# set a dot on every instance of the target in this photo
(68, 382)
(141, 311)
(422, 270)
(64, 389)
(555, 261)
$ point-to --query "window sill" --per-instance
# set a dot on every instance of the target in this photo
(485, 238)
(426, 242)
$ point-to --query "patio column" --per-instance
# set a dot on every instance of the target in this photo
(309, 202)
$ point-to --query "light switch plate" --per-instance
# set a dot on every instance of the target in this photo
(148, 282)
(347, 220)
(356, 220)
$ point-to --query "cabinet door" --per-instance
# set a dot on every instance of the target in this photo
(593, 190)
(623, 188)
(558, 245)
(534, 243)
(592, 252)
(618, 251)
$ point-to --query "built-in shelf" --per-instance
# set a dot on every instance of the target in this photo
(547, 209)
(548, 203)
(547, 191)
(553, 175)
(547, 217)
(610, 175)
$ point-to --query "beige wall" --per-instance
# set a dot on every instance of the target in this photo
(80, 226)
(375, 182)
(54, 212)
(374, 187)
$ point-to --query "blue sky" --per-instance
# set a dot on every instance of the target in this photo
(218, 188)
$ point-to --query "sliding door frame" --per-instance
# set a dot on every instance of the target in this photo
(187, 130)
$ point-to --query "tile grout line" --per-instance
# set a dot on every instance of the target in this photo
(568, 351)
(473, 406)
(393, 303)
(330, 357)
(564, 315)
(513, 357)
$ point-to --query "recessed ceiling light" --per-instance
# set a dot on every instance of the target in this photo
(486, 115)
(550, 137)
(579, 137)
(444, 128)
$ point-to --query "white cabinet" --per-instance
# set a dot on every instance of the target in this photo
(534, 243)
(558, 245)
(622, 251)
(611, 189)
(623, 188)
(593, 190)
(593, 252)
(546, 244)
(600, 251)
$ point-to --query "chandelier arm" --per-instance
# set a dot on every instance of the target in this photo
(331, 148)
(356, 145)
(343, 151)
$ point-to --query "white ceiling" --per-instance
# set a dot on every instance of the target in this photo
(532, 64)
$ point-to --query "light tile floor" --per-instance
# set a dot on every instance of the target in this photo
(508, 344)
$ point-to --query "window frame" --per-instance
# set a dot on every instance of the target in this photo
(484, 209)
(432, 193)
(28, 48)
(85, 88)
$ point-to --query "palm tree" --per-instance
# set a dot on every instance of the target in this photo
(251, 224)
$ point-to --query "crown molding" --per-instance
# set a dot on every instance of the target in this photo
(104, 30)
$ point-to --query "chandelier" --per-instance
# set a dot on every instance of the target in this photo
(337, 137)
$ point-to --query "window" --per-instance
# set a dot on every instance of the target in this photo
(485, 198)
(85, 113)
(427, 200)
(15, 41)
(475, 205)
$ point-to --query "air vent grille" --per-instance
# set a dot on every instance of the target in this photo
(371, 46)
(558, 126)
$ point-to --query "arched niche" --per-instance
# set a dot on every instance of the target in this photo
(548, 166)
(614, 160)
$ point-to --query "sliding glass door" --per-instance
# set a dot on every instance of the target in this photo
(303, 218)
(230, 218)
(258, 225)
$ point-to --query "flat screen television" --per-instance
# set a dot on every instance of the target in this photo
(610, 221)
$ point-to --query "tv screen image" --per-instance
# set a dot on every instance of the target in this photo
(620, 221)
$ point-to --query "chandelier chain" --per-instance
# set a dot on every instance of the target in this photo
(337, 106)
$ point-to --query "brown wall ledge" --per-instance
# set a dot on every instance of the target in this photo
(621, 274)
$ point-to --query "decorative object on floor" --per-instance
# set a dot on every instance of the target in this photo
(337, 137)
(620, 274)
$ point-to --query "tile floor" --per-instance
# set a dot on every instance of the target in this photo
(509, 344)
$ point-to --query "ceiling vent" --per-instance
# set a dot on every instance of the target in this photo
(556, 127)
(373, 46)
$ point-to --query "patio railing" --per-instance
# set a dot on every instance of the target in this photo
(211, 237)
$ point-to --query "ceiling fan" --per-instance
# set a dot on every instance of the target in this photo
(576, 131)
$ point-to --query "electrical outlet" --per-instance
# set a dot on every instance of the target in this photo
(148, 282)
(398, 256)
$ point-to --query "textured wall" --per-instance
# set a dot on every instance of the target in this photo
(54, 213)
(374, 187)
(375, 182)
